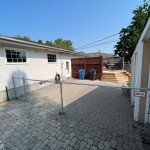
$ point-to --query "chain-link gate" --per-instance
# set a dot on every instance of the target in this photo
(80, 100)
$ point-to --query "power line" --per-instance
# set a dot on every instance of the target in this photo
(115, 40)
(97, 45)
(97, 41)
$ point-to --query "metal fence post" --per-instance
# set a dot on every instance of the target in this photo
(14, 87)
(7, 93)
(61, 96)
(24, 88)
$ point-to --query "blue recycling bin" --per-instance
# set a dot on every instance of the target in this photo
(81, 74)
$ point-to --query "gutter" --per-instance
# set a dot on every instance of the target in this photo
(12, 41)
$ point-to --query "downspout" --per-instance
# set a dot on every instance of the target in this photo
(61, 61)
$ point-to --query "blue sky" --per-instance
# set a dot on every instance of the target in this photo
(81, 21)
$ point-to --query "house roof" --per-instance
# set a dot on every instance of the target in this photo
(97, 54)
(14, 41)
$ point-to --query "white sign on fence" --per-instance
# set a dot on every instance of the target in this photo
(139, 93)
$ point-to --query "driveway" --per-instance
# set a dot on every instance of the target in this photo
(97, 117)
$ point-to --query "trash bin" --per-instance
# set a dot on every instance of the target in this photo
(92, 73)
(81, 74)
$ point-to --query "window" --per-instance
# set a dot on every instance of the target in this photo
(15, 56)
(51, 57)
(67, 65)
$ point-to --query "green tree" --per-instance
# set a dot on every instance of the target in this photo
(81, 52)
(18, 37)
(129, 36)
(64, 44)
(25, 38)
(40, 41)
(59, 43)
(49, 43)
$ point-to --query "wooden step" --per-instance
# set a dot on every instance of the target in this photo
(115, 76)
(112, 81)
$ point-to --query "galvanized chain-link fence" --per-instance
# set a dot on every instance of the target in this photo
(38, 92)
(109, 103)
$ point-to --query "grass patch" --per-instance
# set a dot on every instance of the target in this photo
(129, 82)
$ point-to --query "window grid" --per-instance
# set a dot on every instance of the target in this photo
(14, 56)
(51, 57)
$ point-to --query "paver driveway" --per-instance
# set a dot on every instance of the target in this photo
(96, 117)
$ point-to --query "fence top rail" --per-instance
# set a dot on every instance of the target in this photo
(134, 88)
(85, 84)
(35, 80)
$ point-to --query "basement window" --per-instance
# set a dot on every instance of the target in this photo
(15, 56)
(51, 57)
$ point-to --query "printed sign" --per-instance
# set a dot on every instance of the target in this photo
(139, 93)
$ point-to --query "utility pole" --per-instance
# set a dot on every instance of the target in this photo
(99, 52)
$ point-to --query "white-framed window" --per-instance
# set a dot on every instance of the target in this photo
(51, 57)
(15, 56)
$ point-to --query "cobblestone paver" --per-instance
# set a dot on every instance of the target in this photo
(97, 118)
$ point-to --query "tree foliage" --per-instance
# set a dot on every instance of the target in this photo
(129, 36)
(59, 43)
(40, 41)
(49, 43)
(25, 38)
(81, 52)
(64, 44)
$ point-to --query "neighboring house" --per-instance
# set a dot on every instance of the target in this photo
(114, 61)
(20, 58)
(140, 75)
(97, 54)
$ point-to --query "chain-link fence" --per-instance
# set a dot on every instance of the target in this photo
(110, 104)
(38, 92)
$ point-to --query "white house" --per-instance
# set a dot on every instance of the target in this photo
(141, 76)
(20, 58)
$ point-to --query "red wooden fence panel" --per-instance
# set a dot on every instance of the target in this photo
(87, 64)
